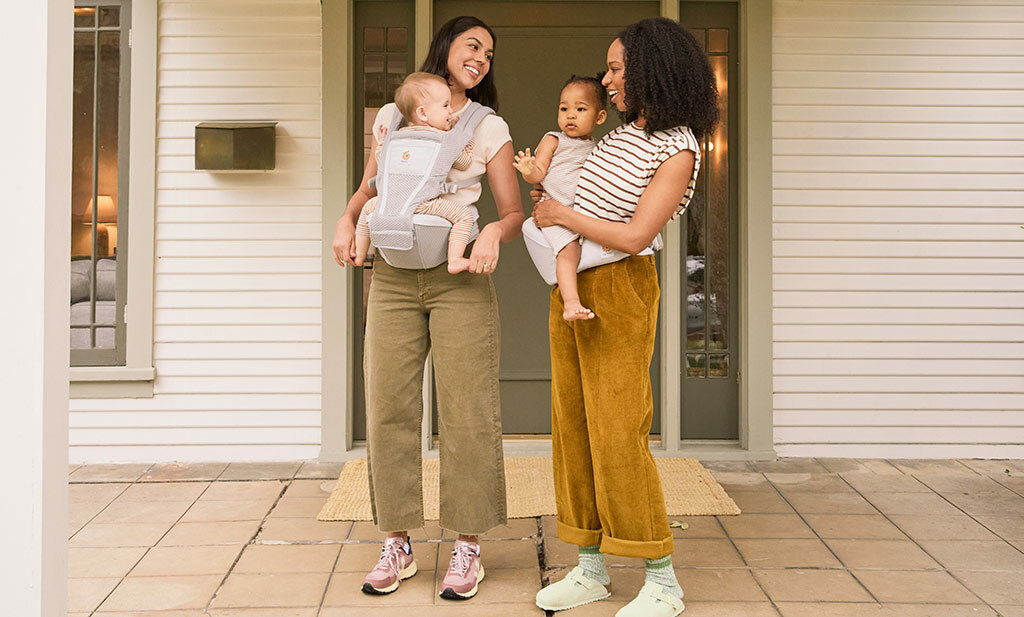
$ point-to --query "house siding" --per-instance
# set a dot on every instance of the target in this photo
(898, 253)
(237, 274)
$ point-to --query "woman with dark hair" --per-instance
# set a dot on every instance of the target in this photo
(638, 178)
(456, 315)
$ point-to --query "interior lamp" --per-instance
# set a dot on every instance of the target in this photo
(107, 216)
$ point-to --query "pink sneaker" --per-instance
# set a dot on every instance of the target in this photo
(396, 564)
(464, 572)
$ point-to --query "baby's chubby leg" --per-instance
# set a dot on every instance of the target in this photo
(566, 262)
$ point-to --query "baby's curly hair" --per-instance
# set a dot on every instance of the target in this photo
(595, 85)
(668, 78)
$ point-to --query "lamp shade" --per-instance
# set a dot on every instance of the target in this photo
(107, 213)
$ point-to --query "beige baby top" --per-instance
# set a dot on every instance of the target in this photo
(490, 135)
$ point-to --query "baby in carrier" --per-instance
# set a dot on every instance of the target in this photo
(556, 165)
(424, 100)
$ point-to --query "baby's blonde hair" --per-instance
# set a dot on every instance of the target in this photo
(413, 91)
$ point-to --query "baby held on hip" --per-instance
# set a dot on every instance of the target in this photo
(556, 165)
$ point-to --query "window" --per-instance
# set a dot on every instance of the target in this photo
(99, 184)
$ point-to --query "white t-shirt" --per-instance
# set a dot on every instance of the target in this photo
(490, 135)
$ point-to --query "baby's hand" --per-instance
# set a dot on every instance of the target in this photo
(524, 162)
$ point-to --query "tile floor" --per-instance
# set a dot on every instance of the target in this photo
(817, 538)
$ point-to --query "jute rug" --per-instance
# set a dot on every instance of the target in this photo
(690, 490)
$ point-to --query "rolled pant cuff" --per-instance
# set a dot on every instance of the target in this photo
(632, 548)
(579, 537)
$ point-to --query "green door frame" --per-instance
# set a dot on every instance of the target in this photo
(755, 423)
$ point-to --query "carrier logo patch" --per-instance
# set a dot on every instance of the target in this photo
(406, 155)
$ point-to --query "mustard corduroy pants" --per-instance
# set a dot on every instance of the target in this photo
(607, 488)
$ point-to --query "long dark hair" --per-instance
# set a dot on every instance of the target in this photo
(668, 78)
(437, 58)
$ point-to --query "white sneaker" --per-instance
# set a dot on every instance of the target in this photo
(572, 591)
(652, 601)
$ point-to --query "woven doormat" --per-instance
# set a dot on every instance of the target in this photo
(690, 490)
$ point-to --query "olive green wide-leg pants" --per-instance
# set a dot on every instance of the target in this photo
(607, 487)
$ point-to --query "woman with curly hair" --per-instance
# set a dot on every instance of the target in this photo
(639, 177)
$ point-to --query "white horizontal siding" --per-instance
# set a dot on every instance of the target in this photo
(237, 305)
(899, 256)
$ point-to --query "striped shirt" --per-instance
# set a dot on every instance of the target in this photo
(622, 165)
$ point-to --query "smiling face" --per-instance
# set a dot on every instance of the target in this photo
(579, 110)
(435, 109)
(469, 58)
(615, 79)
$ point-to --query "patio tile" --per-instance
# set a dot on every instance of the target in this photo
(815, 609)
(365, 530)
(705, 554)
(877, 483)
(498, 554)
(210, 511)
(729, 609)
(707, 585)
(959, 483)
(811, 586)
(126, 511)
(699, 526)
(107, 473)
(808, 483)
(287, 558)
(976, 555)
(345, 590)
(243, 491)
(324, 471)
(1009, 611)
(766, 526)
(994, 466)
(930, 466)
(79, 514)
(162, 593)
(298, 507)
(912, 503)
(856, 465)
(165, 491)
(1014, 483)
(1009, 527)
(363, 556)
(958, 527)
(183, 472)
(195, 612)
(261, 471)
(1005, 502)
(85, 594)
(278, 589)
(882, 554)
(790, 465)
(186, 561)
(728, 465)
(558, 553)
(501, 585)
(853, 526)
(119, 534)
(197, 534)
(256, 612)
(448, 609)
(302, 530)
(742, 481)
(760, 502)
(830, 503)
(516, 529)
(786, 554)
(308, 488)
(79, 493)
(102, 562)
(831, 609)
(993, 587)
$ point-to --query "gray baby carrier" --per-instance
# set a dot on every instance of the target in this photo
(413, 168)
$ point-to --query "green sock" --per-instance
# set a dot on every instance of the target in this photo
(660, 571)
(592, 562)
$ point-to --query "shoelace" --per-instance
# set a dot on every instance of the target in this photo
(462, 557)
(389, 556)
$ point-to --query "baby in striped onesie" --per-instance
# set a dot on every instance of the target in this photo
(425, 101)
(556, 165)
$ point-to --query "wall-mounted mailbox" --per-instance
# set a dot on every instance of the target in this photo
(235, 145)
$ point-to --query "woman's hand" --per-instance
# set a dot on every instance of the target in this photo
(537, 194)
(483, 259)
(344, 242)
(547, 213)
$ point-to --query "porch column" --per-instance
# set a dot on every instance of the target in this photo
(35, 165)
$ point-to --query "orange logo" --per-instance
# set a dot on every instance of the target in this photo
(406, 155)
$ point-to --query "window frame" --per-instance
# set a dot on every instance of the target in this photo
(134, 378)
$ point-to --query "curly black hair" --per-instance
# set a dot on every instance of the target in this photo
(598, 89)
(485, 92)
(668, 78)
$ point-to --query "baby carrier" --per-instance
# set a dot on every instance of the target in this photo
(592, 254)
(413, 168)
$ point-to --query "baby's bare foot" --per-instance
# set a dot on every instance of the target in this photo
(574, 311)
(457, 265)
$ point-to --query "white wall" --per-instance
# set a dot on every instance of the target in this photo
(237, 301)
(899, 195)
